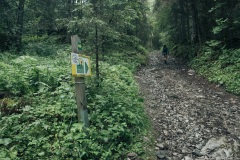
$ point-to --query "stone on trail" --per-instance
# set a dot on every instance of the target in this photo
(175, 154)
(172, 95)
(160, 145)
(152, 70)
(202, 158)
(162, 154)
(197, 153)
(212, 144)
(221, 148)
(191, 72)
(219, 93)
(187, 158)
(132, 155)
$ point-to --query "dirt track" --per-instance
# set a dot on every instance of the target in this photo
(192, 118)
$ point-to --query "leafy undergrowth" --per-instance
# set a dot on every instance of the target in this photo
(130, 59)
(222, 67)
(38, 111)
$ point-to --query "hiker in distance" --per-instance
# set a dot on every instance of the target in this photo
(165, 53)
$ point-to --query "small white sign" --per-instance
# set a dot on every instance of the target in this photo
(75, 58)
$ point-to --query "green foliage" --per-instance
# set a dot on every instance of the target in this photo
(161, 28)
(193, 23)
(223, 69)
(27, 74)
(119, 25)
(38, 115)
(142, 50)
(42, 45)
(206, 34)
(129, 59)
(37, 104)
(221, 25)
(184, 52)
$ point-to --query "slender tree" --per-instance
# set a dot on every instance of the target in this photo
(19, 31)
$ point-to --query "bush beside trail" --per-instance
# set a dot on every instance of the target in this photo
(222, 68)
(38, 110)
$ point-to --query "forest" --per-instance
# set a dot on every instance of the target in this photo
(38, 117)
(203, 33)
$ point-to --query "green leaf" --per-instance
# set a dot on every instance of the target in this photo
(41, 154)
(5, 141)
(77, 127)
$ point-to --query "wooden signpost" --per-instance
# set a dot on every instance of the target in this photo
(80, 69)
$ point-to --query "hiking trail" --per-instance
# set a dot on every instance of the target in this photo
(192, 118)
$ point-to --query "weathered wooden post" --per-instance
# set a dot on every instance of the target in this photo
(79, 81)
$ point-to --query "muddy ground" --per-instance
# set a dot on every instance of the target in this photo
(192, 118)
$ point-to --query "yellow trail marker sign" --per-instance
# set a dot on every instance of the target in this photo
(81, 65)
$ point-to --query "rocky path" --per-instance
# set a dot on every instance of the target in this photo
(192, 119)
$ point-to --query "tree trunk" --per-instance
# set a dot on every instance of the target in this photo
(188, 22)
(19, 31)
(183, 21)
(69, 16)
(196, 24)
(97, 49)
(103, 46)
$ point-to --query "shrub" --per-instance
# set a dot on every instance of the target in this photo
(45, 127)
(222, 69)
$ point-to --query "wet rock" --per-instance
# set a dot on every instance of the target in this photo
(180, 131)
(197, 152)
(152, 70)
(161, 154)
(191, 72)
(222, 153)
(233, 100)
(175, 154)
(200, 96)
(212, 144)
(197, 135)
(132, 155)
(187, 158)
(234, 109)
(172, 95)
(159, 139)
(219, 93)
(184, 151)
(160, 145)
(188, 144)
(199, 146)
(159, 76)
(165, 132)
(202, 158)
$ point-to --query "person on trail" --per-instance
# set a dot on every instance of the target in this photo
(165, 53)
